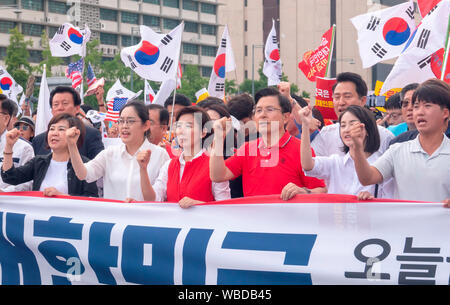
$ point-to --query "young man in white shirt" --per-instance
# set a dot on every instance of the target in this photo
(350, 89)
(420, 167)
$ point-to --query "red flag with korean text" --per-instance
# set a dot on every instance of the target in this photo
(437, 60)
(315, 63)
(324, 97)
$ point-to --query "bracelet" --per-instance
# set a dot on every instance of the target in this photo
(101, 105)
(7, 153)
(308, 191)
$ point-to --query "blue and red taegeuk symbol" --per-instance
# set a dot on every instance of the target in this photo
(6, 83)
(75, 36)
(219, 66)
(396, 31)
(147, 54)
(275, 55)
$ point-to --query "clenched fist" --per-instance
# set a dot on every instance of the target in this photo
(72, 135)
(11, 137)
(143, 158)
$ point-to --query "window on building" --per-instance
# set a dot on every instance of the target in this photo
(152, 1)
(191, 27)
(190, 5)
(32, 29)
(208, 29)
(209, 51)
(206, 71)
(246, 74)
(126, 41)
(152, 21)
(245, 25)
(51, 31)
(35, 5)
(2, 53)
(110, 39)
(170, 24)
(35, 56)
(245, 3)
(189, 48)
(6, 26)
(172, 3)
(8, 2)
(57, 7)
(245, 50)
(208, 8)
(104, 58)
(130, 18)
(106, 14)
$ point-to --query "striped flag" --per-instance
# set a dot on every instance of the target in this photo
(74, 72)
(91, 79)
(116, 98)
(114, 108)
(179, 76)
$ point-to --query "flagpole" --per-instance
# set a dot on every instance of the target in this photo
(82, 84)
(330, 55)
(446, 53)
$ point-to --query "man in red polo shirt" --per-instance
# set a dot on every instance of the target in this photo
(271, 164)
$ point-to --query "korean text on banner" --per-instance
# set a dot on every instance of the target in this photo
(324, 97)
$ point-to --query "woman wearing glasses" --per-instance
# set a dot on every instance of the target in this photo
(52, 174)
(117, 164)
(186, 179)
(26, 128)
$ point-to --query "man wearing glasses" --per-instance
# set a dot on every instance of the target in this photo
(159, 123)
(23, 151)
(271, 164)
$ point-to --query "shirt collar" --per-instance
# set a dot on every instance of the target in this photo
(123, 148)
(444, 148)
(181, 158)
(281, 143)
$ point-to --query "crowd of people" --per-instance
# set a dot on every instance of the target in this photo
(272, 143)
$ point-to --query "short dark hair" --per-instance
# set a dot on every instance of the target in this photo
(66, 89)
(180, 99)
(210, 100)
(283, 101)
(434, 91)
(241, 106)
(3, 97)
(73, 122)
(163, 113)
(368, 119)
(394, 102)
(204, 119)
(300, 100)
(220, 109)
(86, 108)
(360, 84)
(8, 106)
(407, 88)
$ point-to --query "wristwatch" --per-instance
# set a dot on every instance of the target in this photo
(307, 190)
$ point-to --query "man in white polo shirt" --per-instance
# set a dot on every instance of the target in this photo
(350, 89)
(420, 167)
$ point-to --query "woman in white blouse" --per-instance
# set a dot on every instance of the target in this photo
(339, 171)
(186, 179)
(117, 164)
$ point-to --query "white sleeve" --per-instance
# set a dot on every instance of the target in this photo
(160, 185)
(95, 169)
(318, 145)
(221, 190)
(322, 167)
(385, 138)
(26, 155)
(385, 163)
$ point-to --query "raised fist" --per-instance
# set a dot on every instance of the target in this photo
(72, 135)
(143, 158)
(12, 136)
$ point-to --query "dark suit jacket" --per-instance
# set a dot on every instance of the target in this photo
(91, 147)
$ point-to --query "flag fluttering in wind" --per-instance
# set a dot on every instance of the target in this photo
(425, 6)
(70, 40)
(149, 94)
(179, 76)
(156, 57)
(75, 72)
(272, 62)
(383, 34)
(316, 63)
(116, 98)
(92, 81)
(8, 86)
(223, 64)
(415, 64)
(44, 112)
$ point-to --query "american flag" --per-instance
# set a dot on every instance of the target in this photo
(179, 76)
(91, 79)
(74, 72)
(114, 108)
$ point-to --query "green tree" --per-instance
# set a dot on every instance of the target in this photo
(17, 55)
(47, 58)
(191, 82)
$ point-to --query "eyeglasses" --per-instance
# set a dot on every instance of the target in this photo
(268, 110)
(129, 122)
(24, 127)
(405, 104)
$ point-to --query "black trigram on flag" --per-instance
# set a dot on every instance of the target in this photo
(166, 40)
(167, 64)
(274, 39)
(223, 43)
(410, 12)
(132, 64)
(433, 9)
(60, 30)
(423, 39)
(220, 87)
(378, 50)
(119, 92)
(373, 23)
(2, 72)
(66, 46)
(424, 62)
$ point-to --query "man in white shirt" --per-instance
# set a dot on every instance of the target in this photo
(23, 151)
(350, 89)
(420, 167)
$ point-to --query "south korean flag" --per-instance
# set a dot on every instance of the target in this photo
(156, 56)
(8, 86)
(70, 40)
(272, 63)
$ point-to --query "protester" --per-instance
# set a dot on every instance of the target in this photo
(14, 118)
(339, 170)
(117, 164)
(241, 107)
(25, 126)
(350, 89)
(159, 123)
(67, 100)
(185, 179)
(270, 164)
(51, 174)
(181, 101)
(393, 118)
(420, 167)
(23, 151)
(210, 100)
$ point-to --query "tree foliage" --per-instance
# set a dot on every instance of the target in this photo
(17, 57)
